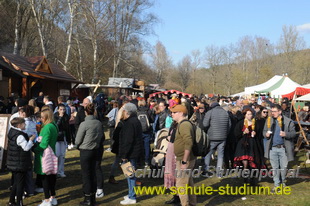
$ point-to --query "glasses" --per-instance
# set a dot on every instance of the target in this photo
(265, 112)
(274, 111)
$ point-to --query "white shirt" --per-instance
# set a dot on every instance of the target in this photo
(22, 142)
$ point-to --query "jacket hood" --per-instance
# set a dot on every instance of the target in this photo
(215, 104)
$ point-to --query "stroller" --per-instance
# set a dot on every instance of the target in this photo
(160, 148)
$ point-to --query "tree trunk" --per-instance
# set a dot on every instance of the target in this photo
(72, 13)
(17, 44)
(39, 28)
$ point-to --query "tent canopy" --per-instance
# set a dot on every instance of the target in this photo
(304, 98)
(265, 85)
(305, 89)
(171, 91)
(283, 86)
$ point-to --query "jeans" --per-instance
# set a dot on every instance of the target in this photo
(88, 167)
(99, 173)
(278, 160)
(219, 146)
(115, 165)
(132, 182)
(61, 147)
(146, 139)
(18, 186)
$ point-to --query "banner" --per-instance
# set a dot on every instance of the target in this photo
(4, 123)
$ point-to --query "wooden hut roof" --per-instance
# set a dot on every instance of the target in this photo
(37, 66)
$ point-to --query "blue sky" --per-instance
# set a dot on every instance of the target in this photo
(187, 25)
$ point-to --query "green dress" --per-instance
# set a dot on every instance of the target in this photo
(49, 135)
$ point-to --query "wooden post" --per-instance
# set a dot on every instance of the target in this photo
(10, 86)
(303, 135)
(24, 88)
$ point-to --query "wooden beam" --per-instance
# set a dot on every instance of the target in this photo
(24, 88)
(10, 86)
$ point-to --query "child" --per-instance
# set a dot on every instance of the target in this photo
(19, 158)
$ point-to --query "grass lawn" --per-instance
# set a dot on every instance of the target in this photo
(69, 189)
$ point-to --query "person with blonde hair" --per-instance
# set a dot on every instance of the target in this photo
(49, 134)
(33, 103)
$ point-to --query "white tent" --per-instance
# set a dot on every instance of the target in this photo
(304, 98)
(241, 94)
(265, 85)
(287, 86)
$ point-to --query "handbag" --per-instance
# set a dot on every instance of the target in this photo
(128, 169)
(111, 123)
(49, 162)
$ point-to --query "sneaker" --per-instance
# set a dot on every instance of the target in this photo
(126, 197)
(99, 193)
(128, 202)
(61, 175)
(39, 190)
(54, 201)
(273, 191)
(44, 203)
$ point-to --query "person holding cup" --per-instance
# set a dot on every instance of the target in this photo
(279, 132)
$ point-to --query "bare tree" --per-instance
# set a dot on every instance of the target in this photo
(130, 20)
(213, 60)
(161, 62)
(72, 4)
(185, 69)
(196, 61)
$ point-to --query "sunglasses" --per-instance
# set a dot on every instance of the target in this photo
(265, 112)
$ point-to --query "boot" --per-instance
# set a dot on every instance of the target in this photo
(174, 200)
(112, 180)
(87, 200)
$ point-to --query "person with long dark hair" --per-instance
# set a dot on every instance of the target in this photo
(88, 139)
(249, 153)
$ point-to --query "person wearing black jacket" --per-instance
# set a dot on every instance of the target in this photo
(144, 115)
(19, 158)
(130, 146)
(62, 121)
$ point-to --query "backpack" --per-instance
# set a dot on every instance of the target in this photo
(144, 120)
(200, 141)
(99, 101)
(160, 148)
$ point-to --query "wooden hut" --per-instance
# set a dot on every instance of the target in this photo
(27, 76)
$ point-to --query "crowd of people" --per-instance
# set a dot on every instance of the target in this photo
(244, 132)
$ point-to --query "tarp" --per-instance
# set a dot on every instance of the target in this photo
(283, 86)
(304, 98)
(305, 89)
(265, 85)
(171, 91)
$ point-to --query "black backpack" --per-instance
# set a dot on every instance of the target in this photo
(200, 141)
(144, 120)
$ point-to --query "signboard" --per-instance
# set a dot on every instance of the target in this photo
(4, 122)
(64, 92)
